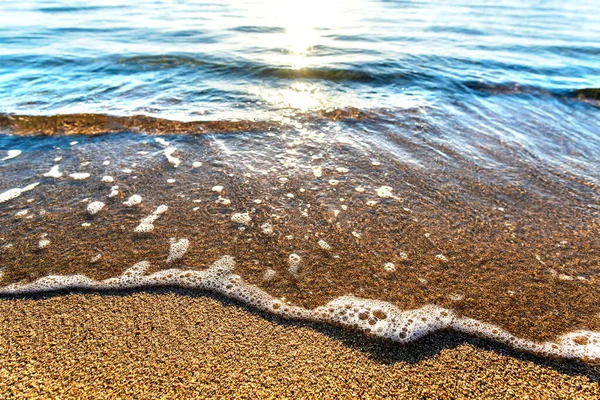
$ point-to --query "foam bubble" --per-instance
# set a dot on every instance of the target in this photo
(114, 191)
(127, 170)
(12, 154)
(108, 179)
(53, 173)
(385, 192)
(266, 228)
(223, 201)
(43, 243)
(16, 192)
(171, 180)
(374, 317)
(95, 207)
(318, 172)
(168, 152)
(294, 260)
(217, 189)
(106, 162)
(134, 200)
(161, 141)
(21, 213)
(196, 164)
(79, 176)
(342, 170)
(177, 249)
(241, 218)
(269, 275)
(389, 267)
(73, 143)
(334, 182)
(324, 245)
(146, 225)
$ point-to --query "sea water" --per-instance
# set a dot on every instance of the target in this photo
(395, 167)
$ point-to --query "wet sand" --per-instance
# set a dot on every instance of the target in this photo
(174, 343)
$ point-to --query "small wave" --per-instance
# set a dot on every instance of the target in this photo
(374, 317)
(96, 124)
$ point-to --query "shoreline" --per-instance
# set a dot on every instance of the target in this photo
(167, 342)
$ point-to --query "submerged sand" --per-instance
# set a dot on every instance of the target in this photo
(182, 344)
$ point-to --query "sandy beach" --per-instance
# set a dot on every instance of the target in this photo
(179, 344)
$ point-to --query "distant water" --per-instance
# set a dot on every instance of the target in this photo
(337, 161)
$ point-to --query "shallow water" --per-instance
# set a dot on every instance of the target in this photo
(407, 152)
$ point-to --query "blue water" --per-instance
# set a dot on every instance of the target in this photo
(226, 59)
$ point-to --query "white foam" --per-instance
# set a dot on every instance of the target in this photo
(223, 201)
(12, 154)
(146, 225)
(267, 228)
(317, 172)
(79, 176)
(324, 245)
(43, 243)
(217, 189)
(134, 200)
(95, 207)
(73, 143)
(177, 249)
(241, 218)
(389, 267)
(171, 180)
(108, 179)
(16, 192)
(168, 152)
(294, 261)
(106, 162)
(114, 191)
(385, 192)
(161, 141)
(269, 275)
(375, 317)
(53, 173)
(196, 164)
(21, 213)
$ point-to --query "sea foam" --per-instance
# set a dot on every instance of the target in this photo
(378, 318)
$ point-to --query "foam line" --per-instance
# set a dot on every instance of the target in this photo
(374, 317)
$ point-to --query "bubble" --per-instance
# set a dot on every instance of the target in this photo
(21, 213)
(389, 267)
(177, 249)
(12, 154)
(106, 162)
(441, 258)
(95, 207)
(266, 228)
(294, 261)
(53, 173)
(161, 141)
(334, 182)
(241, 218)
(324, 245)
(114, 191)
(146, 225)
(79, 176)
(14, 193)
(385, 192)
(174, 161)
(269, 275)
(134, 200)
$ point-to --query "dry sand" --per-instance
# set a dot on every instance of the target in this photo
(178, 344)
